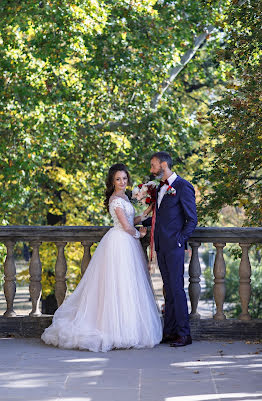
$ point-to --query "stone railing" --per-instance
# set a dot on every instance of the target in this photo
(219, 237)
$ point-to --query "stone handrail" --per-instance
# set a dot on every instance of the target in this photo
(88, 235)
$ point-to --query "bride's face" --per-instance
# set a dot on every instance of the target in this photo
(120, 181)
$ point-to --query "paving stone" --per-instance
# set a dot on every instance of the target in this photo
(204, 371)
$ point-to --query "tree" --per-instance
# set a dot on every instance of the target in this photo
(85, 84)
(78, 83)
(235, 176)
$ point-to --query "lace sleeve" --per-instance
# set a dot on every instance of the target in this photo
(116, 202)
(118, 208)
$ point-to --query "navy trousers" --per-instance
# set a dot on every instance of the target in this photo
(171, 265)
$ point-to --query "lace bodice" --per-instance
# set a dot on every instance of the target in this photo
(125, 219)
(126, 206)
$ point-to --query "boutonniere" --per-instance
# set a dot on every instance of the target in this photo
(171, 191)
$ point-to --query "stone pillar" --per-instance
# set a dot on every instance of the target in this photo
(10, 280)
(219, 281)
(87, 256)
(244, 282)
(194, 288)
(60, 273)
(35, 270)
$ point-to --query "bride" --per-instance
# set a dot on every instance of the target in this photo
(113, 306)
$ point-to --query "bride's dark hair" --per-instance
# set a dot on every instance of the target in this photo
(110, 180)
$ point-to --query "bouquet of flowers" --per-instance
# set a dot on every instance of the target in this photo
(145, 193)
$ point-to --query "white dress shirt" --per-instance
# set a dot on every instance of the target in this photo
(163, 189)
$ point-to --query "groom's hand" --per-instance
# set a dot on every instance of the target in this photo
(142, 231)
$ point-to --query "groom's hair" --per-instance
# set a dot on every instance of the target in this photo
(163, 157)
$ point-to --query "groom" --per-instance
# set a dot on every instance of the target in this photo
(176, 220)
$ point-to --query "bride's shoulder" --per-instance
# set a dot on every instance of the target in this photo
(116, 201)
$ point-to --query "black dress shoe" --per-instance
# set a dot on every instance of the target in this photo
(181, 341)
(169, 338)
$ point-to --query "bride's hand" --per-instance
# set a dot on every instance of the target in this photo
(142, 231)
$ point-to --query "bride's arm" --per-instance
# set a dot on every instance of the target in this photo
(126, 225)
(144, 215)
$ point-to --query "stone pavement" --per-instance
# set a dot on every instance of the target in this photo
(203, 371)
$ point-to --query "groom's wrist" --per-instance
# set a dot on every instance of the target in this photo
(143, 217)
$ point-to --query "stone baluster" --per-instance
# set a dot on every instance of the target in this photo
(60, 273)
(10, 280)
(219, 281)
(87, 256)
(35, 270)
(194, 288)
(244, 282)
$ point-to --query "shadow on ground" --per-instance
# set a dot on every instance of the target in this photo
(31, 370)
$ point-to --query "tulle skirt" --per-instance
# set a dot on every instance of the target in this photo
(113, 306)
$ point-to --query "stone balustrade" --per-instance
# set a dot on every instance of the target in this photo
(219, 237)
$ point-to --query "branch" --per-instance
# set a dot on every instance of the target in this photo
(173, 72)
(193, 98)
(254, 183)
(195, 87)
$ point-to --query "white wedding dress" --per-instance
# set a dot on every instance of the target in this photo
(113, 306)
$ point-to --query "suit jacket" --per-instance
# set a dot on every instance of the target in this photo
(176, 218)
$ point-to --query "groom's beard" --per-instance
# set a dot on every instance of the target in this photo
(159, 174)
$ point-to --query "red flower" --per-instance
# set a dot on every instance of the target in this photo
(140, 185)
(152, 192)
(170, 190)
(148, 200)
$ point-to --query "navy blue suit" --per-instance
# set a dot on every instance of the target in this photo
(176, 220)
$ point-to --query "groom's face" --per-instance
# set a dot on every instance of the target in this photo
(156, 168)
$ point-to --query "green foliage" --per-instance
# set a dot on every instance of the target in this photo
(235, 177)
(76, 83)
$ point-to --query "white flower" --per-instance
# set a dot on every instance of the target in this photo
(135, 192)
(151, 183)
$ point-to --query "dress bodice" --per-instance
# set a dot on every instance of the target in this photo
(126, 206)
